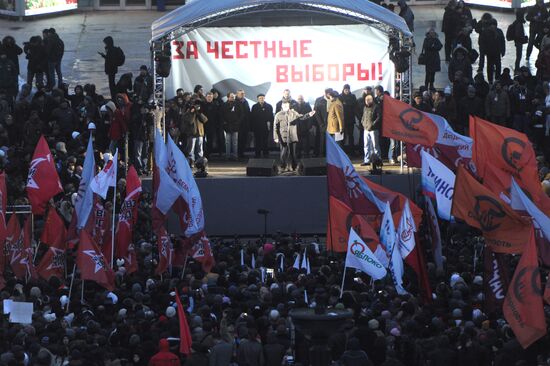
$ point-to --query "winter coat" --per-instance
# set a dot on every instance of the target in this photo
(164, 357)
(355, 358)
(36, 54)
(260, 117)
(469, 106)
(143, 87)
(55, 48)
(492, 42)
(449, 26)
(250, 354)
(372, 117)
(463, 65)
(221, 354)
(335, 119)
(285, 126)
(193, 124)
(431, 47)
(279, 105)
(232, 115)
(121, 119)
(407, 14)
(519, 33)
(8, 76)
(536, 15)
(349, 101)
(321, 113)
(304, 125)
(111, 66)
(12, 50)
(497, 104)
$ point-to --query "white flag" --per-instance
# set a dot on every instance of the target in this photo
(297, 262)
(253, 261)
(242, 257)
(389, 240)
(438, 182)
(360, 257)
(405, 231)
(168, 192)
(181, 173)
(85, 198)
(520, 201)
(105, 178)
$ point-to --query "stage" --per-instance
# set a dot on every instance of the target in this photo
(295, 203)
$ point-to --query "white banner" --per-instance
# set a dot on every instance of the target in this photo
(268, 60)
(438, 182)
(360, 257)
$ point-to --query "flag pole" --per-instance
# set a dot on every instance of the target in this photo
(184, 265)
(343, 280)
(70, 287)
(114, 215)
(82, 293)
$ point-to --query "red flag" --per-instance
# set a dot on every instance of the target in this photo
(185, 333)
(405, 123)
(201, 251)
(92, 264)
(99, 226)
(341, 219)
(509, 151)
(127, 218)
(43, 182)
(523, 308)
(495, 279)
(55, 235)
(72, 232)
(165, 251)
(21, 261)
(417, 261)
(13, 232)
(503, 229)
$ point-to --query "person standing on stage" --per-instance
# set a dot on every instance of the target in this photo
(285, 133)
(231, 115)
(304, 128)
(335, 119)
(286, 98)
(245, 122)
(371, 118)
(321, 108)
(261, 120)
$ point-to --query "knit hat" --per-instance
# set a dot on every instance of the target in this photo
(478, 280)
(395, 332)
(170, 312)
(457, 313)
(373, 324)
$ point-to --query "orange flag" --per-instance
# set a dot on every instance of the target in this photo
(509, 153)
(403, 122)
(503, 229)
(341, 219)
(523, 308)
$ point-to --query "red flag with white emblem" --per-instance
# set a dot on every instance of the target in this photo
(92, 263)
(55, 236)
(126, 220)
(21, 260)
(165, 250)
(43, 182)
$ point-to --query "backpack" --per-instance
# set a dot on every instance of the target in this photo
(118, 56)
(511, 32)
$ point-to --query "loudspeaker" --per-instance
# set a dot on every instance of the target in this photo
(261, 168)
(313, 166)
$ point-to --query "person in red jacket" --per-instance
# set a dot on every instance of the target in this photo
(121, 120)
(164, 357)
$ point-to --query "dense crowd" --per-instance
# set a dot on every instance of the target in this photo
(237, 315)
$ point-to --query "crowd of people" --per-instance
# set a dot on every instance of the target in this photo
(237, 315)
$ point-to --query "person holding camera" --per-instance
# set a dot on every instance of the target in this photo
(193, 128)
(285, 133)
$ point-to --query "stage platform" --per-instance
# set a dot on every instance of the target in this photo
(296, 203)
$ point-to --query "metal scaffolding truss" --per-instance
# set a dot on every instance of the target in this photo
(158, 44)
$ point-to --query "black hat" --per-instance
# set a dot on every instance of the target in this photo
(143, 67)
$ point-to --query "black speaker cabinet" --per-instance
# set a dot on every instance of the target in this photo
(313, 166)
(261, 168)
